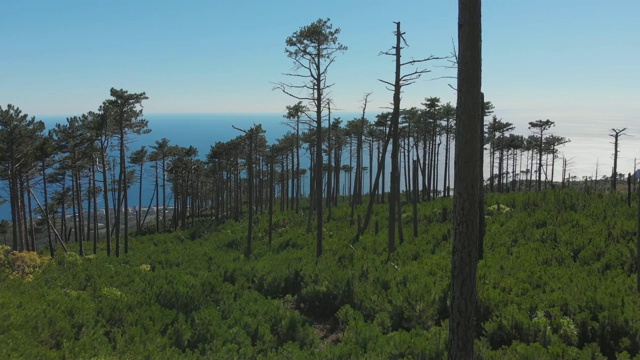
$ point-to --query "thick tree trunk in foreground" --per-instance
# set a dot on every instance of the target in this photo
(466, 184)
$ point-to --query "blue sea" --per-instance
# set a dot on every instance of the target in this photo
(204, 130)
(198, 130)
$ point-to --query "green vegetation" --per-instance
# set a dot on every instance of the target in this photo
(557, 282)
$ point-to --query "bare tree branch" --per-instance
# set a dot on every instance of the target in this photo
(430, 58)
(386, 82)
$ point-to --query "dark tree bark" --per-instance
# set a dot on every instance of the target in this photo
(329, 166)
(466, 182)
(394, 193)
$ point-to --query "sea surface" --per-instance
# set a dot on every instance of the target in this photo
(589, 152)
(198, 130)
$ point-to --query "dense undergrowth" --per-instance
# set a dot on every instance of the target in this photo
(557, 282)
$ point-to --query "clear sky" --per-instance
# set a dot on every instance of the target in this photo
(572, 61)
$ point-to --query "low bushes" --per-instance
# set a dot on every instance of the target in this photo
(553, 284)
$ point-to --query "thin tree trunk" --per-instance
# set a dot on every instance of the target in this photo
(46, 209)
(540, 153)
(272, 194)
(370, 166)
(157, 191)
(164, 194)
(125, 193)
(15, 210)
(436, 166)
(139, 212)
(298, 178)
(445, 182)
(51, 225)
(90, 200)
(415, 198)
(329, 164)
(32, 228)
(95, 208)
(23, 216)
(250, 186)
(118, 211)
(312, 193)
(74, 204)
(80, 229)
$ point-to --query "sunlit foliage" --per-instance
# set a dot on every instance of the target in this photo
(557, 282)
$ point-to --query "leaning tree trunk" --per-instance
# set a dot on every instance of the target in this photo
(46, 209)
(376, 182)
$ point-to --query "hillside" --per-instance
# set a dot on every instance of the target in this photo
(557, 281)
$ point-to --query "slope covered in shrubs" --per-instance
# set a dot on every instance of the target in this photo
(557, 281)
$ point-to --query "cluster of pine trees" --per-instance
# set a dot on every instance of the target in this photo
(75, 163)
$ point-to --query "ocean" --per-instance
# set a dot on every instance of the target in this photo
(589, 150)
(198, 130)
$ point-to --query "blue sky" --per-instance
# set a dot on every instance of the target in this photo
(574, 62)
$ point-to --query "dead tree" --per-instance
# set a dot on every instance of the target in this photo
(400, 81)
(356, 197)
(615, 134)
